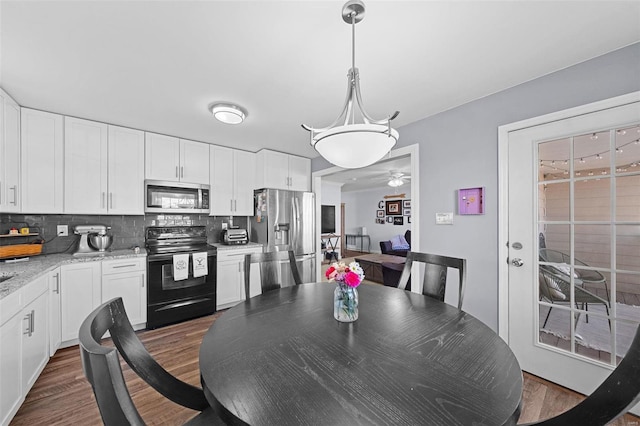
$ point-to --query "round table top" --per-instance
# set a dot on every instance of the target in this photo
(281, 358)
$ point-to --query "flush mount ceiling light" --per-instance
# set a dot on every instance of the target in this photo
(344, 142)
(228, 113)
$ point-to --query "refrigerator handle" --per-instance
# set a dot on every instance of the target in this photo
(294, 222)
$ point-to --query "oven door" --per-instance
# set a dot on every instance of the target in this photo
(162, 287)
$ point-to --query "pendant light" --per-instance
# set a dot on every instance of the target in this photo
(344, 142)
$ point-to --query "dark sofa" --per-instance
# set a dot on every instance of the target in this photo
(385, 246)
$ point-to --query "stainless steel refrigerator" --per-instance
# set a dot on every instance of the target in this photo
(284, 220)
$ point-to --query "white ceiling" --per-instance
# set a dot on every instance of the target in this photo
(156, 66)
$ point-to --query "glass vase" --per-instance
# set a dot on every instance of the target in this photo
(345, 303)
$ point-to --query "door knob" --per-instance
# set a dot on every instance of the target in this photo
(517, 262)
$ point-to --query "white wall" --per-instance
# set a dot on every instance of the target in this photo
(360, 210)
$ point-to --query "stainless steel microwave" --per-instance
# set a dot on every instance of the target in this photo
(175, 197)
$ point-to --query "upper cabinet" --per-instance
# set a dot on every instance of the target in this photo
(41, 161)
(85, 167)
(104, 168)
(9, 154)
(232, 181)
(125, 171)
(283, 171)
(176, 160)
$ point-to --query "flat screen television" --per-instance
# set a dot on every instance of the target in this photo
(328, 219)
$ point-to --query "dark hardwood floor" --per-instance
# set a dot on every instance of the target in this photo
(62, 396)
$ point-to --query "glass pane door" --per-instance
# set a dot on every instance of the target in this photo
(589, 242)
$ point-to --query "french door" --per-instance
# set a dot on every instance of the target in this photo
(573, 212)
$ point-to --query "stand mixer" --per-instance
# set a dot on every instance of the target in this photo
(85, 231)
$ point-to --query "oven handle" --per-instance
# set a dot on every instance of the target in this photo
(167, 256)
(183, 303)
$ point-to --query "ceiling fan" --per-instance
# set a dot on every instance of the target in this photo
(397, 179)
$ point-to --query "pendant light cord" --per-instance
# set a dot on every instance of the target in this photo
(353, 40)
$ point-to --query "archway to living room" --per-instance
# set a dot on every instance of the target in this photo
(374, 211)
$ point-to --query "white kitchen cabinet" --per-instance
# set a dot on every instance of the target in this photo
(85, 168)
(176, 160)
(125, 171)
(80, 295)
(10, 366)
(41, 161)
(9, 154)
(35, 338)
(104, 168)
(230, 275)
(24, 349)
(127, 278)
(55, 326)
(194, 162)
(283, 171)
(232, 181)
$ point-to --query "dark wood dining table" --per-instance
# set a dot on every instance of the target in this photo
(282, 359)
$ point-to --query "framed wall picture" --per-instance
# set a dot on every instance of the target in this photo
(380, 213)
(406, 204)
(409, 219)
(394, 208)
(380, 220)
(389, 219)
(406, 212)
(399, 220)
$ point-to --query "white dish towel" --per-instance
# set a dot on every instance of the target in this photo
(199, 264)
(180, 267)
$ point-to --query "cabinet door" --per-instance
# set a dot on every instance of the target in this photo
(276, 170)
(41, 161)
(221, 198)
(35, 348)
(10, 368)
(194, 162)
(125, 171)
(229, 283)
(132, 288)
(10, 151)
(85, 167)
(299, 173)
(162, 157)
(55, 330)
(80, 295)
(244, 165)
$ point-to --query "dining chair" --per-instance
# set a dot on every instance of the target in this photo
(101, 366)
(435, 274)
(271, 271)
(613, 398)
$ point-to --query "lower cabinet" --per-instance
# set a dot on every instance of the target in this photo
(127, 278)
(24, 344)
(80, 294)
(230, 275)
(55, 325)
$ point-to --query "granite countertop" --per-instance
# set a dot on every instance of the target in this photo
(22, 273)
(221, 246)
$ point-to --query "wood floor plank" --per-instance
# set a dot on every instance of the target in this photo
(62, 396)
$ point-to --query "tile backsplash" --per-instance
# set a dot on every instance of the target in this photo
(127, 231)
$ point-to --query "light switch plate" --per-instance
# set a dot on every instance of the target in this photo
(444, 218)
(62, 230)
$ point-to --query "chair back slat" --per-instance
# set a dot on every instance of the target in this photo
(271, 271)
(101, 366)
(435, 275)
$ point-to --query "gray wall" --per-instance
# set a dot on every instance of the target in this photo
(459, 149)
(360, 210)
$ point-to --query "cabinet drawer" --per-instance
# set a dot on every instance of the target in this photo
(236, 254)
(123, 265)
(35, 288)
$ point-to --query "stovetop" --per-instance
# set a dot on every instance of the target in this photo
(174, 239)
